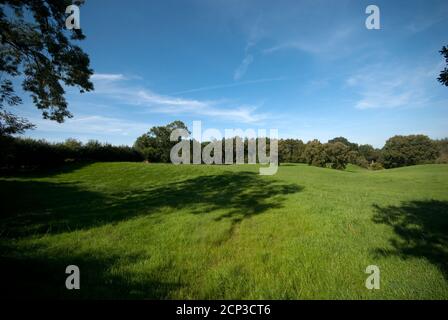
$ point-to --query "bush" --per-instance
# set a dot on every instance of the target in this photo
(291, 150)
(314, 154)
(358, 159)
(25, 152)
(376, 166)
(402, 151)
(155, 145)
(369, 153)
(442, 159)
(337, 155)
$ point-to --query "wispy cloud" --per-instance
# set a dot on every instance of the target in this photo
(93, 124)
(330, 45)
(242, 68)
(420, 23)
(153, 102)
(391, 87)
(173, 105)
(230, 85)
(255, 34)
(107, 77)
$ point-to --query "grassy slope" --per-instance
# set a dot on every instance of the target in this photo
(164, 231)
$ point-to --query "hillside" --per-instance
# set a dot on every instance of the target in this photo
(163, 231)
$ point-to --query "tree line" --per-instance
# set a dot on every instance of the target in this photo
(26, 153)
(155, 146)
(398, 151)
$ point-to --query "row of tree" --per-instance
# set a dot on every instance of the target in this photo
(30, 153)
(398, 151)
(336, 153)
(155, 146)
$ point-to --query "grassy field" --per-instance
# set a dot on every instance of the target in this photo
(163, 231)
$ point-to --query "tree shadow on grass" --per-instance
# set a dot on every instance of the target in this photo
(36, 207)
(43, 277)
(45, 171)
(421, 228)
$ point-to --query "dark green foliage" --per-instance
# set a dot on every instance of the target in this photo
(337, 155)
(314, 154)
(29, 153)
(376, 166)
(291, 150)
(36, 46)
(155, 145)
(334, 155)
(354, 157)
(369, 153)
(442, 148)
(409, 150)
(442, 159)
(443, 77)
(352, 146)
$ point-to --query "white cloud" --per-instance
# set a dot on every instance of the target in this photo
(172, 105)
(256, 33)
(157, 103)
(230, 85)
(93, 124)
(242, 68)
(107, 77)
(391, 86)
(331, 45)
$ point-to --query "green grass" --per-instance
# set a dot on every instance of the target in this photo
(211, 232)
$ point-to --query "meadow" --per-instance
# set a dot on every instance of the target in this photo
(159, 231)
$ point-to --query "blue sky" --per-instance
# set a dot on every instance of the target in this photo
(310, 68)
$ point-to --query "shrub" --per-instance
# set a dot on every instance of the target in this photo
(314, 154)
(291, 150)
(376, 166)
(442, 159)
(25, 152)
(402, 151)
(337, 155)
(358, 159)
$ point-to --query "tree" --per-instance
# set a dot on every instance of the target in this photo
(369, 152)
(409, 150)
(314, 154)
(155, 145)
(290, 150)
(442, 148)
(354, 157)
(351, 145)
(37, 48)
(443, 77)
(337, 155)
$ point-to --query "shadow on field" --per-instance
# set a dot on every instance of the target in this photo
(421, 228)
(36, 207)
(43, 172)
(43, 277)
